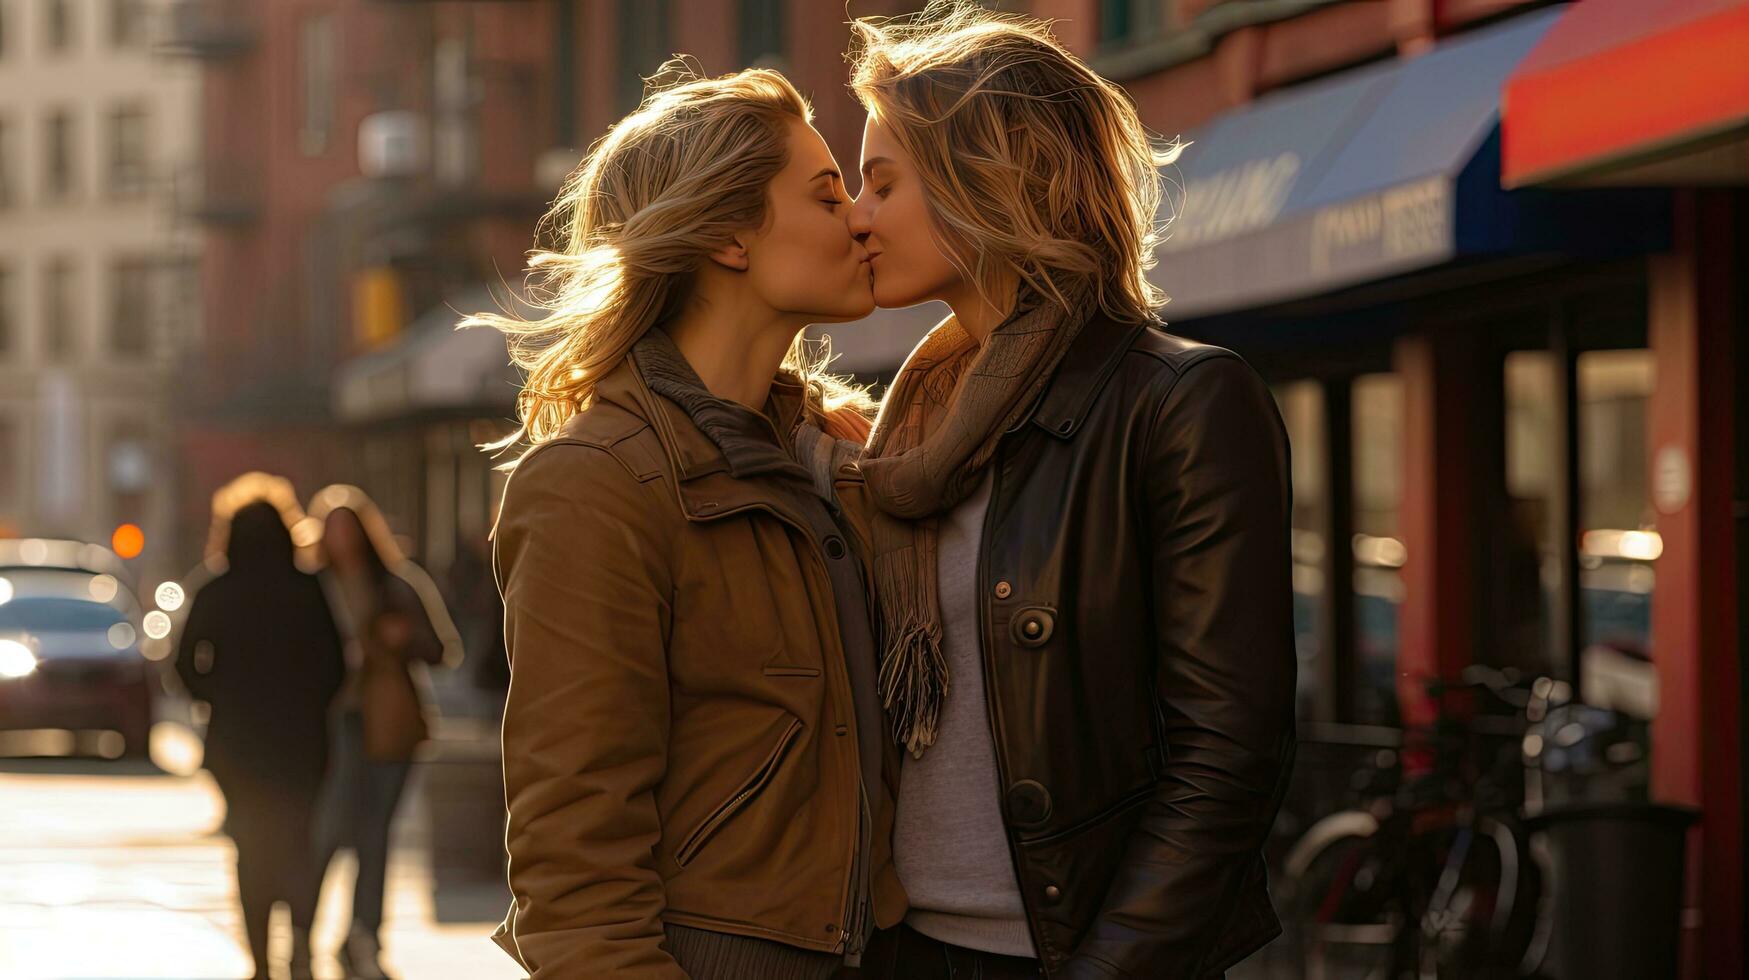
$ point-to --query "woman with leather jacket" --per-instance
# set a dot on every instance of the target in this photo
(1080, 533)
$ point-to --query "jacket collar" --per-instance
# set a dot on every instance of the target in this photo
(705, 487)
(1083, 372)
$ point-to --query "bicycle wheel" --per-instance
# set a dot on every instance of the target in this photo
(1475, 891)
(1343, 912)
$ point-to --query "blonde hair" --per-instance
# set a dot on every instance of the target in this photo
(665, 186)
(1033, 166)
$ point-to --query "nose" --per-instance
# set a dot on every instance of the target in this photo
(861, 217)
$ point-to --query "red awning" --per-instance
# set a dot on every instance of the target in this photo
(1618, 84)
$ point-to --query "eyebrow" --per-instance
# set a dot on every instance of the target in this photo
(873, 162)
(827, 172)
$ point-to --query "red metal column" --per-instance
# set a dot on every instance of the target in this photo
(1696, 751)
(1437, 619)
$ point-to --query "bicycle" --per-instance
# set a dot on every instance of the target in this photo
(1437, 843)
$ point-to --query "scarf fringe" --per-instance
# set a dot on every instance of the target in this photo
(913, 680)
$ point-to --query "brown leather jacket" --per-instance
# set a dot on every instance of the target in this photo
(679, 740)
(1137, 632)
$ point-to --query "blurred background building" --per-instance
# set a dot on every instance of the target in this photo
(97, 271)
(1489, 253)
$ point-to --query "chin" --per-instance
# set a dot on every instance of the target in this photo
(891, 298)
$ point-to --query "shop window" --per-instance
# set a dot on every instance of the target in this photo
(1526, 571)
(1379, 552)
(1302, 412)
(1618, 539)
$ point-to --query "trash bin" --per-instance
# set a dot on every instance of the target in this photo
(1617, 873)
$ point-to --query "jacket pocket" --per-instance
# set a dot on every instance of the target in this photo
(739, 799)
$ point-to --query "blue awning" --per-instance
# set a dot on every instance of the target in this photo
(1379, 171)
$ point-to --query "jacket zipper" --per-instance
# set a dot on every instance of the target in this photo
(853, 908)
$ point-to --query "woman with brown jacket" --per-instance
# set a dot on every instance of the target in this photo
(692, 737)
(396, 627)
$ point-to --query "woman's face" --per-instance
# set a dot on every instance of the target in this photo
(891, 218)
(804, 262)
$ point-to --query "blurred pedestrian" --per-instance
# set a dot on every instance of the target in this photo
(395, 626)
(260, 647)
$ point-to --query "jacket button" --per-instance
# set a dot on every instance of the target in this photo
(1033, 627)
(1029, 803)
(834, 547)
(1004, 590)
(1052, 894)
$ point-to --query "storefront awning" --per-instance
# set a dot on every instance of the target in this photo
(433, 369)
(1633, 92)
(1376, 172)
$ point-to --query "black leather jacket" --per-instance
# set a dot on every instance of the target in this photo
(1138, 654)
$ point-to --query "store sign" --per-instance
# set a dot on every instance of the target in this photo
(1235, 201)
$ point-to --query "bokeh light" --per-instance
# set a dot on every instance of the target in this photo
(128, 541)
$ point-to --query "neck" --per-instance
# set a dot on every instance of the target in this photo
(736, 353)
(975, 314)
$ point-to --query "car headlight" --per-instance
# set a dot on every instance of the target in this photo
(16, 660)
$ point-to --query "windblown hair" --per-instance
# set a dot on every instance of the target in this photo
(1033, 166)
(667, 185)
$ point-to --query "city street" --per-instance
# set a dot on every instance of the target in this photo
(115, 870)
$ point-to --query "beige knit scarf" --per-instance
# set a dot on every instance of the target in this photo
(937, 430)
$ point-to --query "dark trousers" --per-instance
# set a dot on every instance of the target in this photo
(358, 810)
(269, 821)
(903, 953)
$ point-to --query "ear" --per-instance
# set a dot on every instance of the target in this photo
(731, 256)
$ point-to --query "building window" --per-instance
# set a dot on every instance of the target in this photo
(7, 315)
(319, 58)
(128, 166)
(58, 24)
(8, 196)
(60, 171)
(455, 138)
(12, 450)
(130, 316)
(127, 23)
(762, 31)
(1123, 22)
(60, 317)
(643, 29)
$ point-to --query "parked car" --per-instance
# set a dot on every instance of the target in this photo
(70, 657)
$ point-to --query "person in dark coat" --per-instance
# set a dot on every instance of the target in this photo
(260, 647)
